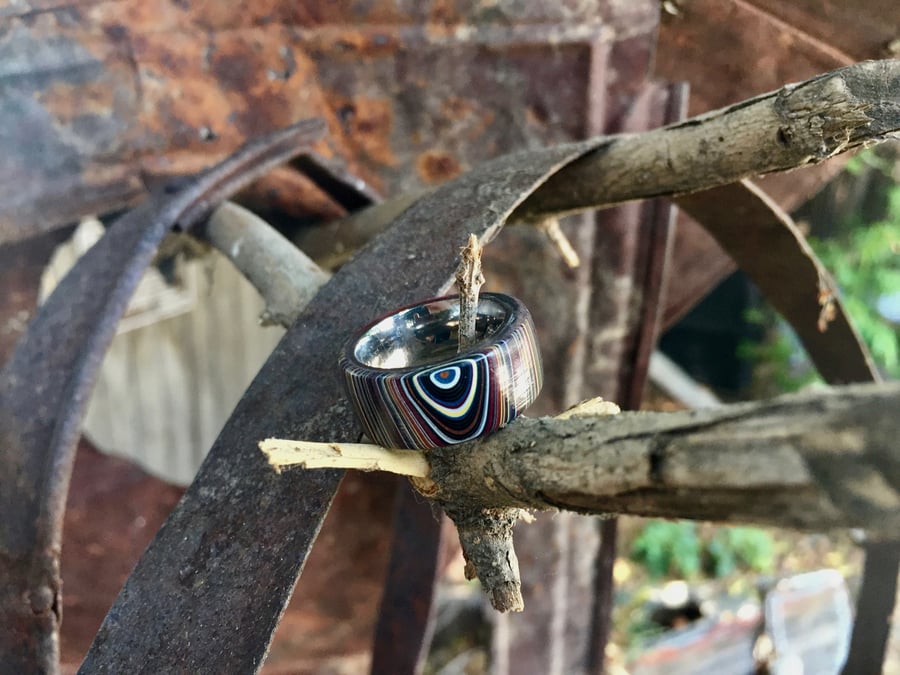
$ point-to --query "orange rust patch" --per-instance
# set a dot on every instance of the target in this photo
(368, 122)
(66, 101)
(445, 12)
(435, 166)
(443, 19)
(349, 43)
(468, 115)
(207, 93)
(456, 107)
(202, 94)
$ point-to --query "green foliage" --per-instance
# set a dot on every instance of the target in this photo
(858, 163)
(668, 547)
(779, 361)
(866, 266)
(746, 547)
(865, 262)
(676, 548)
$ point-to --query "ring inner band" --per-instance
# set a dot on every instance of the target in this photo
(426, 334)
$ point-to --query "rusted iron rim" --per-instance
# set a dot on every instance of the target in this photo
(45, 386)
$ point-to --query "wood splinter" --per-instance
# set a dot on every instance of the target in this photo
(552, 230)
(361, 456)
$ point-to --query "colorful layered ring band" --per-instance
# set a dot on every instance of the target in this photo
(412, 389)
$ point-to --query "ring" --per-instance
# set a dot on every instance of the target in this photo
(411, 389)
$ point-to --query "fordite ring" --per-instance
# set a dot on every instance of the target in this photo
(411, 389)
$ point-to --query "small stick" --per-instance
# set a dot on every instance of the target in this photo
(362, 456)
(550, 227)
(485, 534)
(469, 280)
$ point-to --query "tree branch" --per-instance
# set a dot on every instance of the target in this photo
(484, 534)
(813, 461)
(799, 124)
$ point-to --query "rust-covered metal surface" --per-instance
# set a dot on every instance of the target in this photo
(405, 621)
(114, 509)
(166, 88)
(68, 111)
(868, 30)
(331, 616)
(95, 97)
(21, 266)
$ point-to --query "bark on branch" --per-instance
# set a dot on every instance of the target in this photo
(799, 124)
(813, 461)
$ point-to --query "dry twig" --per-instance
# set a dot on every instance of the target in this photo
(283, 453)
(551, 228)
(469, 280)
(485, 534)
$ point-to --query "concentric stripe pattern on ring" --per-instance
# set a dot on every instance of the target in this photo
(461, 399)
